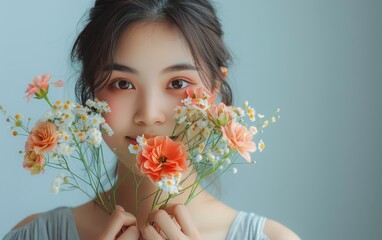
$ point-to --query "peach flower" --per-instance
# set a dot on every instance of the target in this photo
(43, 138)
(39, 86)
(218, 114)
(200, 93)
(34, 162)
(240, 138)
(161, 157)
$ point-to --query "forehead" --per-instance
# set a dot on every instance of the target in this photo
(144, 43)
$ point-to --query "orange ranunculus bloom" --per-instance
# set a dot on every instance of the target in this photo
(34, 162)
(240, 138)
(162, 157)
(43, 138)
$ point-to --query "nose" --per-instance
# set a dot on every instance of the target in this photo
(149, 109)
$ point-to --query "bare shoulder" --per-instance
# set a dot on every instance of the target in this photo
(276, 231)
(26, 220)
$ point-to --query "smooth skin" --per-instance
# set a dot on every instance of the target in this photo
(155, 69)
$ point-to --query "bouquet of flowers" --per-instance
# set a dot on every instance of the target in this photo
(207, 140)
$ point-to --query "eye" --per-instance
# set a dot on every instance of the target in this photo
(123, 84)
(178, 84)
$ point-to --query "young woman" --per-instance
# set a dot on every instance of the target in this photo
(141, 56)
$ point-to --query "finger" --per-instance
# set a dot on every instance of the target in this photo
(166, 224)
(118, 219)
(120, 208)
(131, 233)
(183, 218)
(149, 233)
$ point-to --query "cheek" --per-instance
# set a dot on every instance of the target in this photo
(118, 112)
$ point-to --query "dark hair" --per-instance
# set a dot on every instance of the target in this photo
(195, 19)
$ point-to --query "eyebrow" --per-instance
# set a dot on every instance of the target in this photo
(173, 68)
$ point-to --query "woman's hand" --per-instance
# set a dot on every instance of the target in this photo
(171, 222)
(121, 225)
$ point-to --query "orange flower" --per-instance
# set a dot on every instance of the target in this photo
(34, 162)
(240, 138)
(162, 157)
(43, 138)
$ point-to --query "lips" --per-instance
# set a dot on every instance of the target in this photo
(133, 140)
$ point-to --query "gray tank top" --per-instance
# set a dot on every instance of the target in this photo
(59, 224)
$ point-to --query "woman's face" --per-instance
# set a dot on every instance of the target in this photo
(153, 68)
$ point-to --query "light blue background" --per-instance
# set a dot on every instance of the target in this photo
(319, 61)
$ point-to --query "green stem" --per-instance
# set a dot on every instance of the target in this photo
(47, 100)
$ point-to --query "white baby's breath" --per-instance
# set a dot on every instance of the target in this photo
(57, 182)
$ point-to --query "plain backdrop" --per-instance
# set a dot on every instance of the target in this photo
(319, 61)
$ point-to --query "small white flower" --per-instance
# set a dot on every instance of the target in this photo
(265, 124)
(90, 103)
(170, 185)
(94, 137)
(234, 170)
(231, 111)
(251, 113)
(180, 111)
(260, 115)
(101, 106)
(261, 145)
(187, 101)
(64, 149)
(273, 119)
(68, 106)
(240, 112)
(80, 136)
(142, 141)
(63, 136)
(134, 149)
(79, 110)
(57, 182)
(204, 104)
(245, 105)
(49, 115)
(107, 129)
(57, 113)
(253, 130)
(94, 121)
(67, 118)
